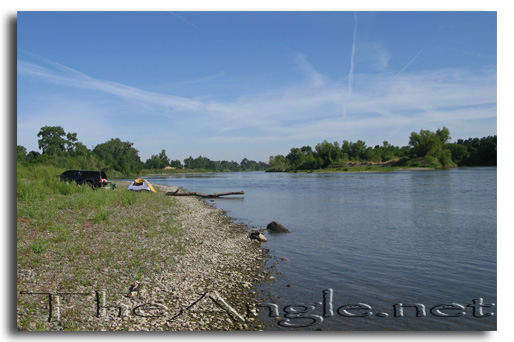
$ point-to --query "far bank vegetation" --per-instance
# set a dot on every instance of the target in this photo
(426, 149)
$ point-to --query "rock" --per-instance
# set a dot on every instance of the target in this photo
(256, 235)
(134, 289)
(277, 227)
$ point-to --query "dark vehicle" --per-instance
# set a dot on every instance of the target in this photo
(92, 178)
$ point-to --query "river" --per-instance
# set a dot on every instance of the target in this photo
(407, 250)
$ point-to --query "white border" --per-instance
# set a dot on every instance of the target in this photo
(505, 60)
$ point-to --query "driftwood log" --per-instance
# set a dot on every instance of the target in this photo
(214, 195)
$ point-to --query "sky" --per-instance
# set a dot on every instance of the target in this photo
(233, 84)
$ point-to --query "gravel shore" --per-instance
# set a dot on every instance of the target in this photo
(221, 261)
(209, 285)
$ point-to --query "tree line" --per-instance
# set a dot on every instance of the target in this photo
(425, 149)
(63, 150)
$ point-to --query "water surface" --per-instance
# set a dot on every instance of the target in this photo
(411, 237)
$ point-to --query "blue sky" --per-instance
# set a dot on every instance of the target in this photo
(231, 84)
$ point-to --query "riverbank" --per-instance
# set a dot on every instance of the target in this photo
(191, 267)
(357, 166)
(367, 169)
(360, 169)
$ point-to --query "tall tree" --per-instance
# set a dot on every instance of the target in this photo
(52, 140)
(328, 153)
(425, 143)
(296, 157)
(358, 150)
(443, 135)
(157, 161)
(120, 156)
(165, 161)
(55, 141)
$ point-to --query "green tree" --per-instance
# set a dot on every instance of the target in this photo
(199, 163)
(55, 141)
(21, 154)
(52, 140)
(165, 161)
(328, 153)
(71, 141)
(120, 156)
(79, 149)
(433, 145)
(459, 152)
(481, 152)
(157, 161)
(229, 165)
(373, 154)
(346, 150)
(278, 163)
(358, 150)
(387, 151)
(425, 143)
(246, 165)
(176, 163)
(445, 158)
(443, 135)
(188, 162)
(296, 157)
(488, 151)
(153, 163)
(33, 156)
(311, 162)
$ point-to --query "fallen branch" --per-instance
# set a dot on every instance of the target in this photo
(214, 195)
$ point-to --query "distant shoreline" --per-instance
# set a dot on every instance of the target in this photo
(377, 169)
(160, 172)
(361, 168)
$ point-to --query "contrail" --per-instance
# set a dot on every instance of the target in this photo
(419, 52)
(352, 64)
(184, 20)
(413, 59)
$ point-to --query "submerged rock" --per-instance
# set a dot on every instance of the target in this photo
(277, 227)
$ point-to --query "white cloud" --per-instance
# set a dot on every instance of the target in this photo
(317, 80)
(60, 74)
(379, 104)
(374, 55)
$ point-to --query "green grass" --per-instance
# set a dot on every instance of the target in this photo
(39, 246)
(73, 237)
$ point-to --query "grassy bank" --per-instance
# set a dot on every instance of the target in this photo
(72, 239)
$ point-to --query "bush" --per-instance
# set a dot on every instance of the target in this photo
(427, 161)
(446, 158)
(279, 168)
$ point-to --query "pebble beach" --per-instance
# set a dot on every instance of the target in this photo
(210, 285)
